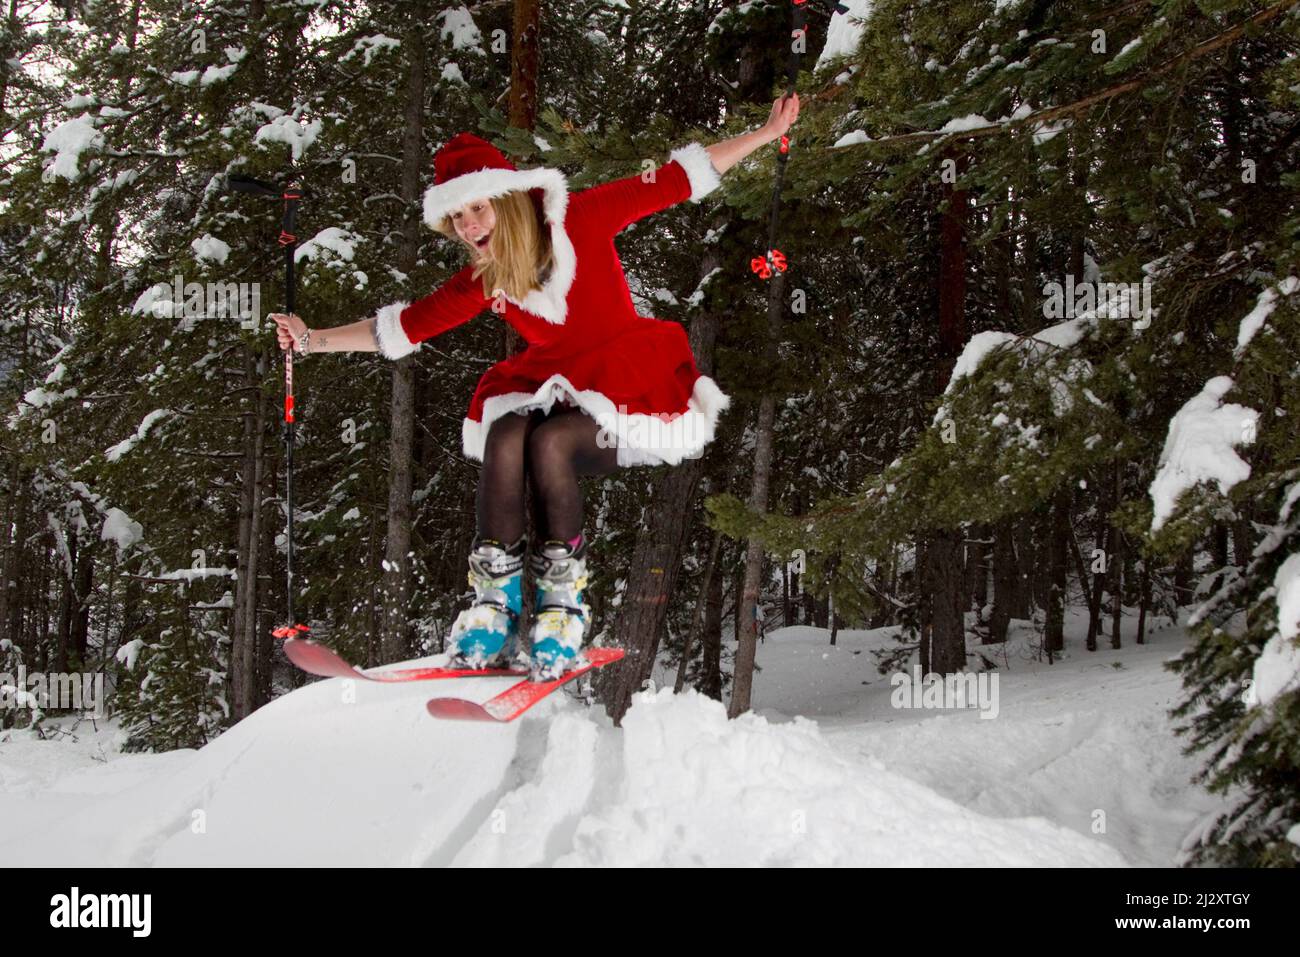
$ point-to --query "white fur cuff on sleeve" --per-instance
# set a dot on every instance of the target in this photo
(390, 335)
(704, 178)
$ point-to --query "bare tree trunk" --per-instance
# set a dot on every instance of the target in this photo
(1219, 550)
(1144, 601)
(697, 619)
(944, 573)
(10, 592)
(395, 640)
(1183, 572)
(1117, 594)
(710, 680)
(747, 639)
(1054, 631)
(1099, 585)
(1084, 586)
(1004, 581)
(1116, 559)
(83, 594)
(243, 638)
(943, 560)
(786, 610)
(265, 651)
(1242, 538)
(652, 578)
(1022, 605)
(979, 552)
(374, 650)
(67, 575)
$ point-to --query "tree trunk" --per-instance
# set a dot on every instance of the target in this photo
(943, 559)
(697, 619)
(1098, 587)
(924, 604)
(265, 652)
(786, 610)
(710, 680)
(1183, 572)
(978, 553)
(1144, 586)
(1004, 581)
(243, 640)
(395, 639)
(1242, 539)
(944, 578)
(67, 580)
(747, 639)
(652, 578)
(83, 595)
(11, 600)
(1116, 559)
(1054, 631)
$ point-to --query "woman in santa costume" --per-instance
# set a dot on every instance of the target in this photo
(598, 386)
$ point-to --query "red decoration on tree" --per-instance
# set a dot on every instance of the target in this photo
(763, 264)
(288, 631)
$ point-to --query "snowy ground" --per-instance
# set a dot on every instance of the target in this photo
(1079, 767)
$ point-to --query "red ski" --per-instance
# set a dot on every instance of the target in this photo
(518, 698)
(319, 660)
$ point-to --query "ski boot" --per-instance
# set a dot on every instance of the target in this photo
(560, 619)
(485, 633)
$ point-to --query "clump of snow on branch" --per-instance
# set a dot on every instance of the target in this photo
(210, 248)
(1200, 447)
(121, 448)
(67, 142)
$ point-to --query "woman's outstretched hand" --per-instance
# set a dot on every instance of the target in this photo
(784, 112)
(289, 328)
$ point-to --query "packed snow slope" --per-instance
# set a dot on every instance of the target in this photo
(827, 772)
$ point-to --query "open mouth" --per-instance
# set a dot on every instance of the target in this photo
(482, 241)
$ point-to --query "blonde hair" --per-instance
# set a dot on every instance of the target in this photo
(520, 246)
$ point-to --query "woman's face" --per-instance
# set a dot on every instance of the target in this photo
(474, 223)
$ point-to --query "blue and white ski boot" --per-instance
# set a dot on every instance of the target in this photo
(561, 618)
(485, 634)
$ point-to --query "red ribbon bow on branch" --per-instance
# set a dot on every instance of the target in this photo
(763, 264)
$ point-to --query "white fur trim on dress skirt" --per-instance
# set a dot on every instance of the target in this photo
(641, 438)
(700, 170)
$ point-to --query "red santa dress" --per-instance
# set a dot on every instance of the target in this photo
(586, 345)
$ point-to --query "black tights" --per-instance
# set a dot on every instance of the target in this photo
(553, 450)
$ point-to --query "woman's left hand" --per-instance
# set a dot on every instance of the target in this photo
(784, 112)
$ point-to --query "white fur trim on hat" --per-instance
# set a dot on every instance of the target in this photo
(549, 301)
(699, 167)
(392, 338)
(641, 438)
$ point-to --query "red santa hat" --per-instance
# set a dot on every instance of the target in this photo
(468, 167)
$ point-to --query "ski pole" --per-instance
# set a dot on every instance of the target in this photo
(773, 260)
(291, 195)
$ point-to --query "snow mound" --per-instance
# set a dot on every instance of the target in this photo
(700, 789)
(345, 772)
